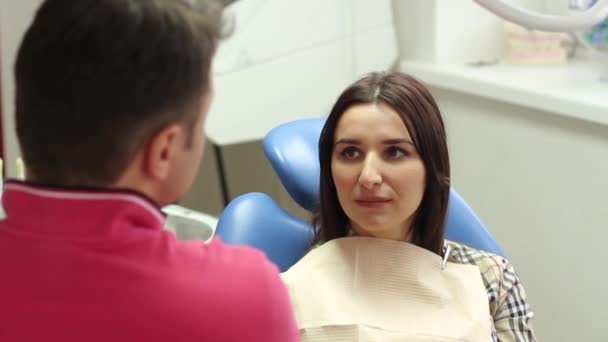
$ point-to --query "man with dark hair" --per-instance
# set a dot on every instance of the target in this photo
(111, 101)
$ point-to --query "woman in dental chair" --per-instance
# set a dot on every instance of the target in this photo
(382, 270)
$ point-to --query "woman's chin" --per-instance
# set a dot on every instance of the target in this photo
(380, 233)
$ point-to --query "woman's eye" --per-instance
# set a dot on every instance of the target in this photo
(395, 152)
(350, 153)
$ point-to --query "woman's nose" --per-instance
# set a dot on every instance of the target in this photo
(370, 174)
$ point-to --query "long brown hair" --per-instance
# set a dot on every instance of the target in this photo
(420, 114)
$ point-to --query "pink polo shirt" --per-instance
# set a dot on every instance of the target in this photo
(80, 265)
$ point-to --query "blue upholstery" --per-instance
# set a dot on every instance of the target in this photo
(464, 226)
(292, 149)
(254, 219)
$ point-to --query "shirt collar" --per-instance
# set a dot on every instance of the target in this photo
(52, 210)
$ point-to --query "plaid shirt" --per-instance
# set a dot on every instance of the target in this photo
(506, 295)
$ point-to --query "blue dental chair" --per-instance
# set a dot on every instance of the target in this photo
(256, 220)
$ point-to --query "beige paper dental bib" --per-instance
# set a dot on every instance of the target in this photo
(360, 289)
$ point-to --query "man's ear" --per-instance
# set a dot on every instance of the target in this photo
(161, 151)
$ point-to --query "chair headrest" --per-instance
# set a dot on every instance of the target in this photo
(293, 151)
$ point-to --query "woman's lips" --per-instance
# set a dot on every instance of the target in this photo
(373, 202)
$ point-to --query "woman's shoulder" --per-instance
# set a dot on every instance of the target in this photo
(506, 295)
(494, 269)
(463, 254)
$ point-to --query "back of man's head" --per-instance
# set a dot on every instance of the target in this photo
(95, 79)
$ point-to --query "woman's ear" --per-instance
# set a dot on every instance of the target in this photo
(162, 150)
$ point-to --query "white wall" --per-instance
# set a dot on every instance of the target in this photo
(15, 16)
(292, 58)
(539, 181)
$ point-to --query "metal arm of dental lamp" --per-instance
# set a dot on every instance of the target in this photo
(578, 21)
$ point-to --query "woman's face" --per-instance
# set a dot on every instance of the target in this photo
(379, 176)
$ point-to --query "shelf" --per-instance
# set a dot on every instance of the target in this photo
(573, 89)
